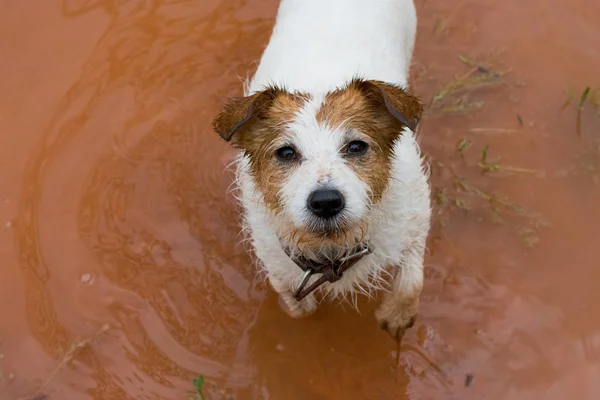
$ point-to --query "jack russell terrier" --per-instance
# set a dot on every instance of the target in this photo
(330, 176)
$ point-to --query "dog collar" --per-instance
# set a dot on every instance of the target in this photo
(331, 271)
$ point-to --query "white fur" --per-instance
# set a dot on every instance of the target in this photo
(317, 46)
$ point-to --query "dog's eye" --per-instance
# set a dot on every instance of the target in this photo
(356, 148)
(286, 153)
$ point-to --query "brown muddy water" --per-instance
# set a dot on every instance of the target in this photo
(121, 273)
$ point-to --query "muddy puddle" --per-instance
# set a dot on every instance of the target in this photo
(122, 277)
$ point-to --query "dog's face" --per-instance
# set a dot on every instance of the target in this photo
(320, 162)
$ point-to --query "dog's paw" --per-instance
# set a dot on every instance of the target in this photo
(395, 315)
(298, 309)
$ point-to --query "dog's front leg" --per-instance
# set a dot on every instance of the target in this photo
(293, 307)
(398, 310)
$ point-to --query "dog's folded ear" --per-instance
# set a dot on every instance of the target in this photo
(402, 105)
(238, 113)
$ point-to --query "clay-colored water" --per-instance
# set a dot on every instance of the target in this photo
(121, 273)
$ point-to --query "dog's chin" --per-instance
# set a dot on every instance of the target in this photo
(318, 232)
(328, 228)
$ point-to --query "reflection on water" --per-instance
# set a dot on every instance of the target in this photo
(117, 212)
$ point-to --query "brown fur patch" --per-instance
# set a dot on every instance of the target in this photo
(253, 124)
(376, 113)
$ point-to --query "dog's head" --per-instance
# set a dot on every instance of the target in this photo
(320, 162)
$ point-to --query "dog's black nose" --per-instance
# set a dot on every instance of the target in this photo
(326, 203)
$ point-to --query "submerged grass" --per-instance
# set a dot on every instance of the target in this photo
(587, 161)
(462, 195)
(457, 94)
(468, 197)
(200, 390)
(588, 96)
(198, 387)
(73, 351)
(494, 166)
(442, 25)
(458, 194)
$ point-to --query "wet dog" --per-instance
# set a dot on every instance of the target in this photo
(330, 176)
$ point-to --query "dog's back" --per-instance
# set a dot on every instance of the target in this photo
(318, 45)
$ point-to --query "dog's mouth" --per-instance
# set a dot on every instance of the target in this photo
(331, 227)
(313, 231)
(339, 230)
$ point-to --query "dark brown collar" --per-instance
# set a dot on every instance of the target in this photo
(331, 271)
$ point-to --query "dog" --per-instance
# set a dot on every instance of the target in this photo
(330, 176)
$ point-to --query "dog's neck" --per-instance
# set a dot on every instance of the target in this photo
(322, 255)
(330, 268)
(323, 249)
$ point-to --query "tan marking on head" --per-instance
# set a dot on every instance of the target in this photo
(253, 124)
(377, 113)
